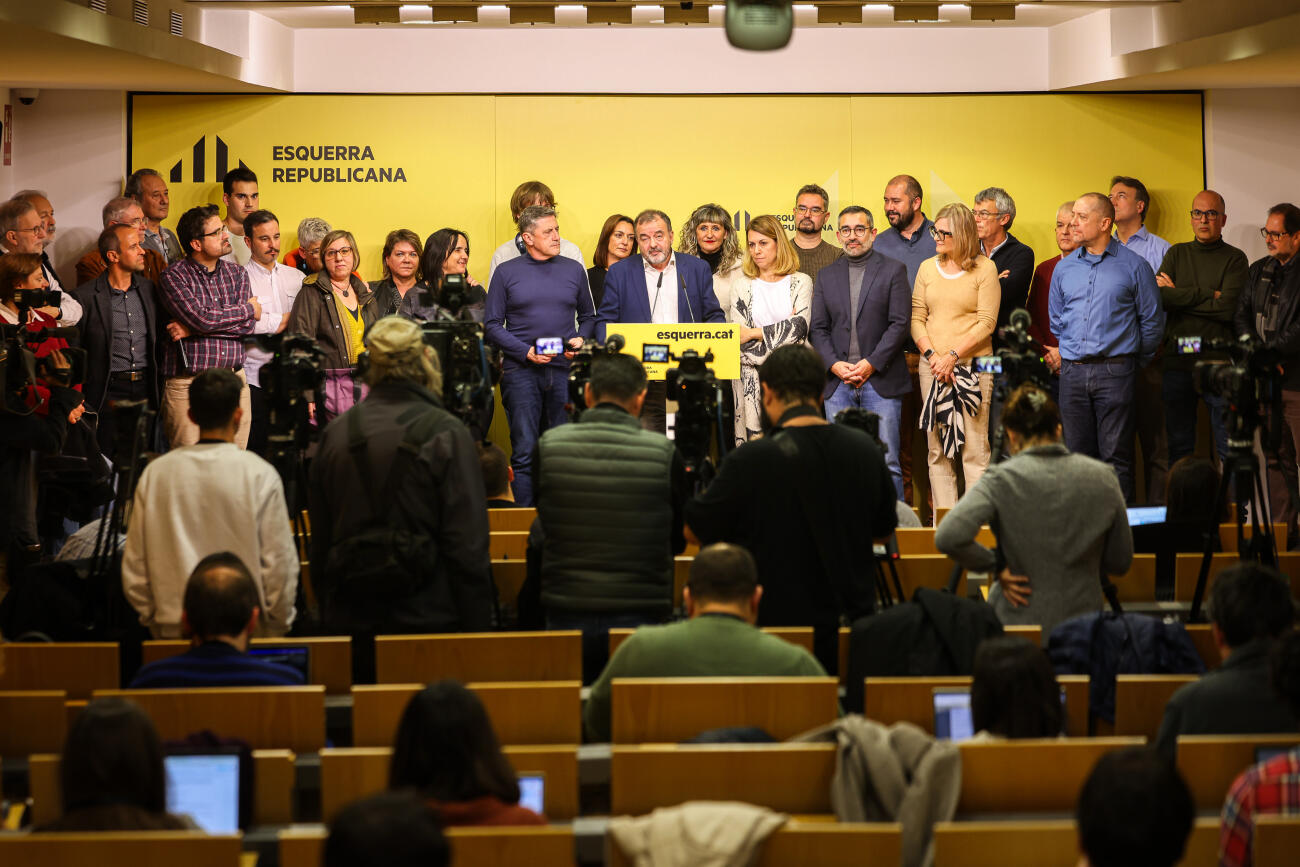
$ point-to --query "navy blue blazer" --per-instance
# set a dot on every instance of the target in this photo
(626, 300)
(884, 321)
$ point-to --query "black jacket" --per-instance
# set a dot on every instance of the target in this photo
(96, 328)
(443, 497)
(1017, 258)
(1252, 300)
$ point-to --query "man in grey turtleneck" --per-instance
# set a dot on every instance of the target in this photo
(860, 315)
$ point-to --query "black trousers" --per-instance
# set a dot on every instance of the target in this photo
(259, 428)
(107, 423)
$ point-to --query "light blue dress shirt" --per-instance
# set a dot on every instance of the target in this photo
(1148, 246)
(1107, 305)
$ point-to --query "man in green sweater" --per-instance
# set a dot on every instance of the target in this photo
(1199, 282)
(718, 640)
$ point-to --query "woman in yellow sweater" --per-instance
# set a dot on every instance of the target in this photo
(954, 311)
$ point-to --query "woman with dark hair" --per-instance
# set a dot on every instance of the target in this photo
(401, 270)
(617, 241)
(446, 252)
(710, 235)
(1014, 693)
(112, 773)
(1059, 518)
(1190, 493)
(448, 751)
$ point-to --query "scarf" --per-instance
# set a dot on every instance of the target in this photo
(947, 406)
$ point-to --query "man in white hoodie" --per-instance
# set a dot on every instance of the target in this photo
(203, 499)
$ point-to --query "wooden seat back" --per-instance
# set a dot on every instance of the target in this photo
(1140, 701)
(1187, 568)
(77, 668)
(1030, 633)
(1228, 536)
(329, 657)
(801, 636)
(789, 778)
(1029, 776)
(32, 722)
(122, 849)
(472, 657)
(509, 575)
(1210, 763)
(546, 712)
(1202, 637)
(273, 781)
(542, 846)
(925, 570)
(1138, 584)
(508, 544)
(1043, 843)
(891, 700)
(669, 709)
(1277, 839)
(825, 844)
(264, 717)
(349, 773)
(506, 520)
(920, 540)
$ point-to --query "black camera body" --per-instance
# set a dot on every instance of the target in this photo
(466, 380)
(698, 395)
(1248, 379)
(293, 378)
(580, 370)
(1017, 363)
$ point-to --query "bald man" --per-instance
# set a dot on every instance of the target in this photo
(1199, 283)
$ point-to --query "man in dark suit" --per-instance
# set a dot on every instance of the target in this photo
(657, 286)
(119, 330)
(1250, 607)
(861, 310)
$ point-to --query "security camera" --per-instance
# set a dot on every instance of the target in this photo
(759, 25)
(26, 95)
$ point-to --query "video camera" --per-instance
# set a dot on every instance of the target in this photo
(19, 366)
(1248, 379)
(580, 370)
(293, 378)
(702, 415)
(1016, 363)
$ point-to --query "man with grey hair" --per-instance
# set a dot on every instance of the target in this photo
(306, 257)
(399, 517)
(122, 211)
(148, 188)
(533, 303)
(661, 286)
(23, 231)
(995, 211)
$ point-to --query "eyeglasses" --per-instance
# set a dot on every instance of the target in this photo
(939, 234)
(859, 231)
(1205, 215)
(985, 215)
(220, 230)
(339, 253)
(38, 229)
(1273, 236)
(804, 209)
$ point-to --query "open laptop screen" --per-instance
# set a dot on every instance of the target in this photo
(205, 787)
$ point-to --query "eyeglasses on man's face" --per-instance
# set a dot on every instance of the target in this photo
(1198, 214)
(814, 210)
(858, 231)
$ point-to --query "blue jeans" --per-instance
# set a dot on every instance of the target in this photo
(890, 410)
(1097, 413)
(1180, 396)
(534, 398)
(595, 628)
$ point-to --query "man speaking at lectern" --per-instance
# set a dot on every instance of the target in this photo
(657, 286)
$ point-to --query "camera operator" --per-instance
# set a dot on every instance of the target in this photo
(399, 517)
(1055, 545)
(609, 496)
(804, 500)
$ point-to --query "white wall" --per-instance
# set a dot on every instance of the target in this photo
(72, 145)
(1250, 138)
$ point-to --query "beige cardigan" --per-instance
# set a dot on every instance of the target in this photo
(951, 311)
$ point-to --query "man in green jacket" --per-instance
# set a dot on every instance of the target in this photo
(718, 640)
(1199, 283)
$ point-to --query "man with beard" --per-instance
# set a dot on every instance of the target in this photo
(275, 286)
(908, 240)
(799, 500)
(861, 310)
(657, 286)
(811, 210)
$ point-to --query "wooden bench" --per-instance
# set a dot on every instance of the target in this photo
(789, 778)
(1188, 567)
(273, 781)
(32, 721)
(1043, 843)
(1140, 701)
(536, 846)
(77, 668)
(479, 656)
(508, 544)
(920, 540)
(799, 635)
(264, 717)
(511, 520)
(1138, 584)
(546, 712)
(1202, 637)
(1210, 763)
(824, 844)
(122, 849)
(329, 658)
(1277, 839)
(1030, 633)
(891, 700)
(652, 709)
(509, 575)
(1029, 776)
(347, 774)
(1228, 537)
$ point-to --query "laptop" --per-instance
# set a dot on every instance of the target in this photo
(210, 785)
(532, 792)
(297, 657)
(1139, 516)
(953, 720)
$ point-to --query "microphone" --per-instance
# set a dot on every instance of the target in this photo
(614, 343)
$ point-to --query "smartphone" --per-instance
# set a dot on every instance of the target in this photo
(1189, 345)
(549, 345)
(988, 364)
(654, 353)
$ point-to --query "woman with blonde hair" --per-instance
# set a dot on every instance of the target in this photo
(772, 304)
(954, 310)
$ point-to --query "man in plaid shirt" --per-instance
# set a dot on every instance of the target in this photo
(214, 308)
(1271, 787)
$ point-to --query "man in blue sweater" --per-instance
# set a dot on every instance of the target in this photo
(221, 610)
(539, 296)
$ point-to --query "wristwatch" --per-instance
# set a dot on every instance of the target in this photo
(954, 354)
(928, 353)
